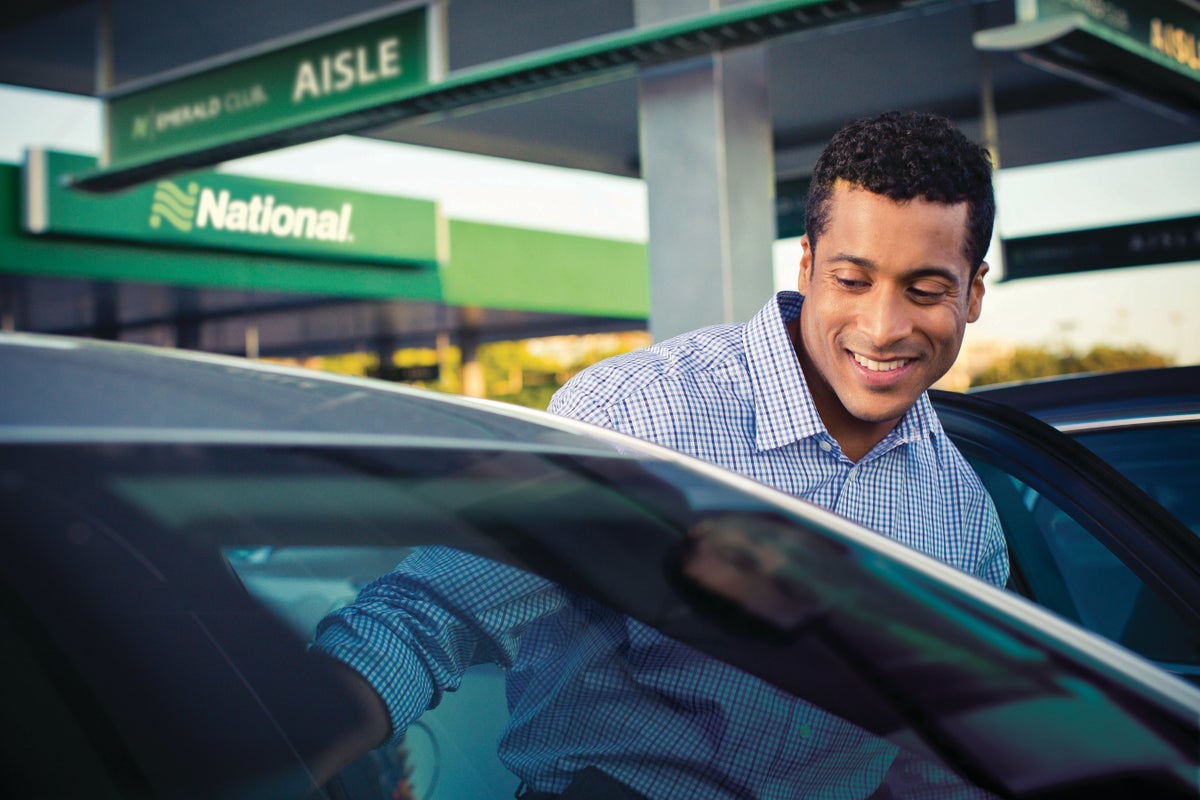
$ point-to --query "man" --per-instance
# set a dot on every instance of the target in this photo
(822, 394)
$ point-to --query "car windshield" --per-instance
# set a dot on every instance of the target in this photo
(176, 587)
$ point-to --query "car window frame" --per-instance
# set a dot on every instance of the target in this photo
(1147, 538)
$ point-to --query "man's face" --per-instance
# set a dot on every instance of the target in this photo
(887, 296)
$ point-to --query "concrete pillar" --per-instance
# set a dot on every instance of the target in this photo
(707, 158)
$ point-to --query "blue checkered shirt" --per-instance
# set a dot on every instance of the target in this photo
(589, 687)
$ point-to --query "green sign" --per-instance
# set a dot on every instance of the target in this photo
(266, 95)
(1164, 241)
(1160, 30)
(231, 212)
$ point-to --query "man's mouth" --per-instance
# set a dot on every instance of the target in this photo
(880, 366)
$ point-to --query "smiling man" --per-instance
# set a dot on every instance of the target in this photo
(822, 393)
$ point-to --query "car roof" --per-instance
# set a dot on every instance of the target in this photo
(78, 389)
(1097, 396)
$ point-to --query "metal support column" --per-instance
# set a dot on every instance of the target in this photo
(707, 160)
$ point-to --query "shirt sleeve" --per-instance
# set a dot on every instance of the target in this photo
(413, 632)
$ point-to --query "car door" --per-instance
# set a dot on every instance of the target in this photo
(1083, 540)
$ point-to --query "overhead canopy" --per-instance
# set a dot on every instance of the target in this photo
(921, 57)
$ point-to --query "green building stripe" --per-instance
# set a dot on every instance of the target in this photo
(494, 266)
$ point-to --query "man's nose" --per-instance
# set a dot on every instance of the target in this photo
(886, 317)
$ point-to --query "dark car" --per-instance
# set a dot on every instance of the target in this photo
(1120, 559)
(176, 524)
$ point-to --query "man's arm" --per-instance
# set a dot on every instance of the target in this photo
(411, 635)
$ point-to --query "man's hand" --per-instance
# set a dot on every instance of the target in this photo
(372, 724)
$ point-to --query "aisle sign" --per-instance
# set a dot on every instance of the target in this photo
(293, 87)
(1134, 244)
(1160, 30)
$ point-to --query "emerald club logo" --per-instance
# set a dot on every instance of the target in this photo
(175, 205)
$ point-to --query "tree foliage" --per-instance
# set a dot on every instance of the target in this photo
(1027, 363)
(523, 372)
(515, 373)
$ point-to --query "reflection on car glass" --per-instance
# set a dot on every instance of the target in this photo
(303, 584)
(567, 659)
(759, 565)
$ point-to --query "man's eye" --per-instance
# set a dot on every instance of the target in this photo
(926, 295)
(849, 283)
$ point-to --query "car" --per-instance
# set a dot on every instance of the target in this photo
(1122, 562)
(176, 524)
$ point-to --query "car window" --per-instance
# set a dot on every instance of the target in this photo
(1061, 565)
(1164, 460)
(183, 583)
(451, 751)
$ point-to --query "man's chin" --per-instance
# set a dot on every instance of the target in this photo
(879, 413)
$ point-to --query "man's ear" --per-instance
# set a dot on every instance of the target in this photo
(806, 265)
(975, 298)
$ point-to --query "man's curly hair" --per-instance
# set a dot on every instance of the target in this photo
(902, 155)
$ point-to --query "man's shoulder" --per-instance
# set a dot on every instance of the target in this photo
(684, 359)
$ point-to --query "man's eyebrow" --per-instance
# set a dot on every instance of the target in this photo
(930, 271)
(947, 274)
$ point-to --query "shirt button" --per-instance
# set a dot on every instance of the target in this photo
(853, 474)
(826, 446)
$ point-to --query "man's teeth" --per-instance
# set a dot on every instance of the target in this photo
(880, 366)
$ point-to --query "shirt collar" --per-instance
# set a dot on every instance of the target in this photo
(921, 421)
(783, 407)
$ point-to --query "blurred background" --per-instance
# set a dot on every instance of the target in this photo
(593, 175)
